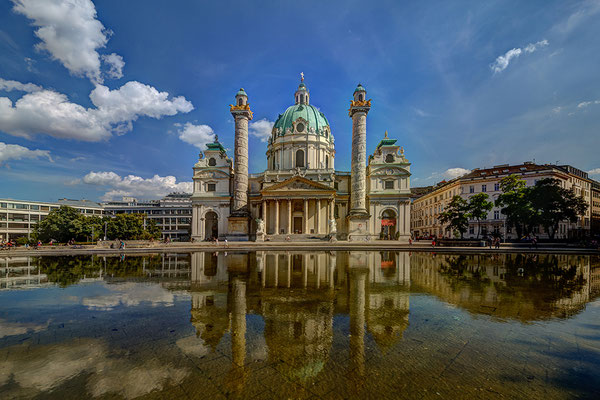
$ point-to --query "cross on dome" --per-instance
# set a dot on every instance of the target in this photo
(301, 76)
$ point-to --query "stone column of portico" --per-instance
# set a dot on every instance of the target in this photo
(238, 227)
(358, 215)
(277, 217)
(264, 212)
(195, 222)
(289, 217)
(317, 212)
(305, 230)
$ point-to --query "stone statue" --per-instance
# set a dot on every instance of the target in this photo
(332, 227)
(261, 226)
(332, 230)
(260, 230)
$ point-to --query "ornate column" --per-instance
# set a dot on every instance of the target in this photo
(238, 227)
(277, 217)
(305, 228)
(264, 212)
(289, 215)
(359, 216)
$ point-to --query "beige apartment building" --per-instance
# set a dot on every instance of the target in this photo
(426, 209)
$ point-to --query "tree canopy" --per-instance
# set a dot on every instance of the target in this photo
(455, 215)
(68, 223)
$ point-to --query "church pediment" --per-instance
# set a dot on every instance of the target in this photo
(295, 184)
(389, 171)
(212, 173)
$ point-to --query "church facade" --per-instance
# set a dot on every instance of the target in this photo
(301, 195)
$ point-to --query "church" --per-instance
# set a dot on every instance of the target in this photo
(301, 196)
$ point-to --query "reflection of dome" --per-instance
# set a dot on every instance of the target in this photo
(309, 113)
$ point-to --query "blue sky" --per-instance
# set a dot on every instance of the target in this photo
(103, 99)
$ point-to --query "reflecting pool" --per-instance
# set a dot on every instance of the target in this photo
(285, 325)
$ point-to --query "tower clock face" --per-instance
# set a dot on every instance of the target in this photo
(300, 127)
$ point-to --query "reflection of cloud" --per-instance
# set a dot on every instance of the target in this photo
(17, 328)
(131, 381)
(130, 294)
(193, 346)
(39, 369)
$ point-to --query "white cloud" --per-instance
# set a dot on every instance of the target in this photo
(448, 174)
(261, 129)
(8, 85)
(132, 185)
(595, 171)
(16, 152)
(69, 31)
(196, 135)
(502, 61)
(584, 104)
(452, 173)
(421, 113)
(115, 64)
(130, 294)
(49, 112)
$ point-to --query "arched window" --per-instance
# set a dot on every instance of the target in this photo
(301, 98)
(212, 162)
(360, 97)
(389, 158)
(326, 162)
(300, 158)
(273, 161)
(240, 101)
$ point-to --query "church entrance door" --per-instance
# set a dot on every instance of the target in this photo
(298, 225)
(211, 225)
(388, 225)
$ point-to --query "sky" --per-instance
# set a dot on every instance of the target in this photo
(110, 98)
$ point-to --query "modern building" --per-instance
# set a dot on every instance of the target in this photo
(301, 194)
(172, 213)
(18, 217)
(427, 208)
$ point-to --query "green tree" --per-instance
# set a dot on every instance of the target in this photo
(479, 206)
(554, 204)
(126, 226)
(456, 215)
(62, 225)
(515, 204)
(152, 230)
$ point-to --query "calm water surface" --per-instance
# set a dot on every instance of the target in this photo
(300, 325)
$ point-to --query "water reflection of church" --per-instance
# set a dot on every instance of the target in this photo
(298, 295)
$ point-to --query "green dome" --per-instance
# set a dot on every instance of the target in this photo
(241, 92)
(315, 118)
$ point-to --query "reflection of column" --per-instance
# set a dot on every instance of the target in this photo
(289, 215)
(289, 270)
(238, 321)
(332, 266)
(304, 270)
(260, 267)
(305, 230)
(277, 217)
(276, 270)
(358, 271)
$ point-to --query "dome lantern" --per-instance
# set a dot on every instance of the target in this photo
(302, 95)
